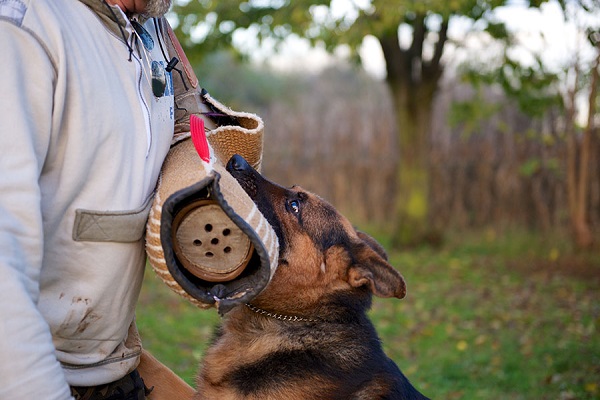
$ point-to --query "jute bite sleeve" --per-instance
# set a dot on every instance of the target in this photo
(205, 237)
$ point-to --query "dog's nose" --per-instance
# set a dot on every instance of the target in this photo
(238, 163)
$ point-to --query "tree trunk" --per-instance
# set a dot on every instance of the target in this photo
(413, 115)
(578, 174)
(413, 83)
(583, 232)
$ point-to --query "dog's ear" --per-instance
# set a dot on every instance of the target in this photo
(371, 269)
(374, 244)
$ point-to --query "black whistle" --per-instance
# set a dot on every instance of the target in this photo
(171, 64)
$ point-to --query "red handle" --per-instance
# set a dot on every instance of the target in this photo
(199, 137)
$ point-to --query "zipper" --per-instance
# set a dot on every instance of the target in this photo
(140, 73)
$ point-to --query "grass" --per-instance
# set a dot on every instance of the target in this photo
(489, 316)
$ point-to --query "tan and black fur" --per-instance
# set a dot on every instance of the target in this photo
(316, 342)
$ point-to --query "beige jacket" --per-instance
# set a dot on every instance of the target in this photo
(82, 140)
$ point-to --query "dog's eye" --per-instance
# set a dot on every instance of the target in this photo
(295, 206)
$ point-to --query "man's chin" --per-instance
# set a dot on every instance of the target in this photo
(157, 8)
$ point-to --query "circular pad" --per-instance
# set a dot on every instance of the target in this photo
(208, 243)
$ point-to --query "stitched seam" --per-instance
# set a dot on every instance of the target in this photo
(103, 362)
(86, 220)
(37, 39)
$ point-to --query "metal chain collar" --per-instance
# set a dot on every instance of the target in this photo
(291, 318)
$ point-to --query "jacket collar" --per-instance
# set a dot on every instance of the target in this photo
(103, 11)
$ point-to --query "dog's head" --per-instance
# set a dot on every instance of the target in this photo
(320, 252)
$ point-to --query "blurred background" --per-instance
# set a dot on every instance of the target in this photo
(464, 136)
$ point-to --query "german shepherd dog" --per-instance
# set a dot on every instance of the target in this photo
(307, 335)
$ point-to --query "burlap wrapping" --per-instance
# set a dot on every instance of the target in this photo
(185, 178)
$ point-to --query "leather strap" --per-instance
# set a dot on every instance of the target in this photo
(187, 67)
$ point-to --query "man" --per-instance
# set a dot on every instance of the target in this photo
(86, 119)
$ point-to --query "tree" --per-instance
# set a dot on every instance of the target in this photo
(414, 69)
(578, 175)
(579, 149)
(536, 88)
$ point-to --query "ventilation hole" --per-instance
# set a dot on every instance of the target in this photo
(226, 232)
(197, 242)
(227, 250)
(208, 227)
(214, 241)
(208, 254)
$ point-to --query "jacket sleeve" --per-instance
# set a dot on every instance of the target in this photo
(28, 365)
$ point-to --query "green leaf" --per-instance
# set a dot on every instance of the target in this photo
(530, 167)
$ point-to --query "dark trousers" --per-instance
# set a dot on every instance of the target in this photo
(130, 387)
